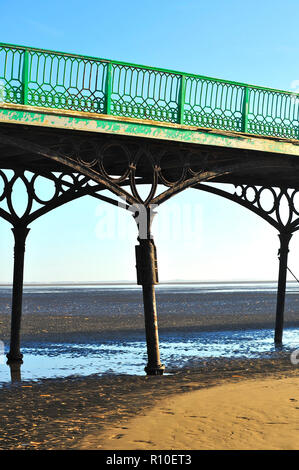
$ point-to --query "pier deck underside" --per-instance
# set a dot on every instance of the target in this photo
(261, 161)
(119, 154)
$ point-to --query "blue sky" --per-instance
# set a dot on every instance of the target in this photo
(255, 42)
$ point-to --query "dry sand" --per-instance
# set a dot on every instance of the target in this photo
(252, 415)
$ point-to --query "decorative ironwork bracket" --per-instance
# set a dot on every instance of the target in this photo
(64, 187)
(279, 206)
(135, 164)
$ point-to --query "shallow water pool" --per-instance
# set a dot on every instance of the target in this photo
(57, 360)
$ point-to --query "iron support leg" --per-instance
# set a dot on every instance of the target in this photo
(15, 371)
(147, 277)
(283, 264)
(20, 234)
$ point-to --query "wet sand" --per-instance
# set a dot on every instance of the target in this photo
(65, 413)
(76, 316)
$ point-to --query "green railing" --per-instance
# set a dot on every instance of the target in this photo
(67, 81)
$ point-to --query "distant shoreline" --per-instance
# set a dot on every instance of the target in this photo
(128, 283)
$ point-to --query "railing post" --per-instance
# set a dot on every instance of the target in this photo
(182, 94)
(245, 110)
(25, 76)
(108, 88)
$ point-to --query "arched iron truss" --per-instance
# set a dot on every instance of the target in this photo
(273, 210)
(281, 211)
(66, 187)
(89, 166)
(114, 165)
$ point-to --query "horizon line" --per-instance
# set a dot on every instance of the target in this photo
(121, 282)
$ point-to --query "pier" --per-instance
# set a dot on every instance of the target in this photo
(85, 125)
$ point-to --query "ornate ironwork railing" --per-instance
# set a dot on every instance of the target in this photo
(67, 81)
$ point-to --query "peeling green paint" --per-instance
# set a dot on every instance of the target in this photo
(142, 129)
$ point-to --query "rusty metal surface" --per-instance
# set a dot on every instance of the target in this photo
(116, 154)
(96, 123)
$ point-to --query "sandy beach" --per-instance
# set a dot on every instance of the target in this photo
(250, 415)
(106, 412)
(257, 397)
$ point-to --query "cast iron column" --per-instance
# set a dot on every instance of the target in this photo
(15, 371)
(285, 238)
(20, 233)
(147, 276)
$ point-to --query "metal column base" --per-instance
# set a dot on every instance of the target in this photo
(14, 358)
(15, 371)
(155, 370)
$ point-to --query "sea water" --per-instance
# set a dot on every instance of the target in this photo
(126, 354)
